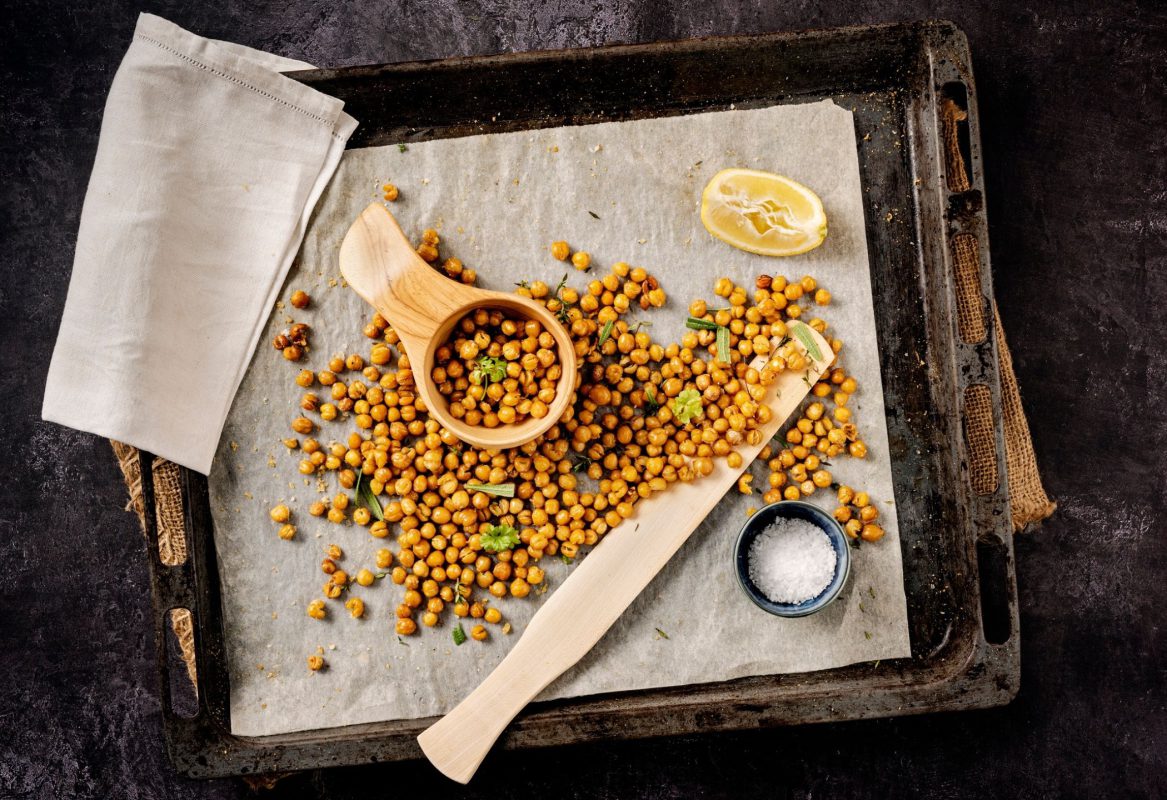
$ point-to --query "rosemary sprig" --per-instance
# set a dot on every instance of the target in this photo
(496, 489)
(697, 324)
(363, 494)
(723, 345)
(651, 404)
(605, 332)
(562, 312)
(802, 331)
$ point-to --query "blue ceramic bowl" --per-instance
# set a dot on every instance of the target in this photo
(792, 509)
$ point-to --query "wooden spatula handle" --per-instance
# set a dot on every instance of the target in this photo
(380, 264)
(596, 593)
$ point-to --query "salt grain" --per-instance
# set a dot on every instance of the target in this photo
(791, 561)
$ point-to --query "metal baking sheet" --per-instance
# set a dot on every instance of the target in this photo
(955, 544)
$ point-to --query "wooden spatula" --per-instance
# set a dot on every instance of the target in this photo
(597, 592)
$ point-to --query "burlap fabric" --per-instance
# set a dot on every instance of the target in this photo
(951, 116)
(1027, 498)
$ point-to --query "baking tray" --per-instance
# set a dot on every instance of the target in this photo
(956, 540)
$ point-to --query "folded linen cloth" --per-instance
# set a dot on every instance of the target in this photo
(208, 167)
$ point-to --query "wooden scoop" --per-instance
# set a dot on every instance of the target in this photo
(597, 592)
(423, 306)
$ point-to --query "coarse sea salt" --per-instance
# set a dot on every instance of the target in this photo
(791, 561)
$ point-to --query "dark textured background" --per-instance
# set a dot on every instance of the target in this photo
(1073, 123)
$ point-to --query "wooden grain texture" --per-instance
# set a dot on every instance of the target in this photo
(598, 591)
(380, 264)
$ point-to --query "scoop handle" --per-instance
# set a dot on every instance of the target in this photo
(596, 593)
(380, 264)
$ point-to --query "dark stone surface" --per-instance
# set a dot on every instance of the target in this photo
(1073, 120)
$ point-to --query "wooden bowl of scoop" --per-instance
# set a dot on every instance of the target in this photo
(423, 306)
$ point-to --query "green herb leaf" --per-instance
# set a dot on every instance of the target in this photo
(366, 498)
(696, 324)
(605, 332)
(458, 634)
(580, 462)
(687, 405)
(723, 344)
(866, 634)
(802, 331)
(594, 215)
(401, 148)
(402, 641)
(496, 538)
(661, 634)
(565, 559)
(496, 489)
(490, 369)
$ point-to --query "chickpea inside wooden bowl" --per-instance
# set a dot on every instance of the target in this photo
(496, 367)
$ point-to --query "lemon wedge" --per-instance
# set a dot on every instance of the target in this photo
(763, 213)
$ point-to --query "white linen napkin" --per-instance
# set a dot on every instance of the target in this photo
(208, 166)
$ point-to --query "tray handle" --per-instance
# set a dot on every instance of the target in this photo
(971, 292)
(167, 540)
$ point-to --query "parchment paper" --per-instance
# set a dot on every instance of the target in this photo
(498, 202)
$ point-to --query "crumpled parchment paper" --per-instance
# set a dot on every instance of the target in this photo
(499, 201)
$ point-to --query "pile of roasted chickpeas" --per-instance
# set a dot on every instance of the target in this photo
(472, 524)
